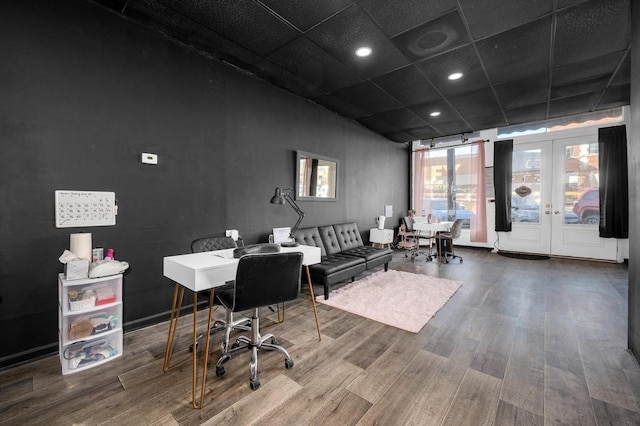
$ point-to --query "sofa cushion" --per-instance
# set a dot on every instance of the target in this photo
(310, 237)
(328, 236)
(368, 253)
(348, 236)
(333, 263)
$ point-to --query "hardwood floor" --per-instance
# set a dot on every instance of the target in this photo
(522, 342)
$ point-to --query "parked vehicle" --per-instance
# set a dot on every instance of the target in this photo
(440, 211)
(587, 206)
(523, 210)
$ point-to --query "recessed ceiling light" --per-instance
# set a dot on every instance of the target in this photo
(435, 113)
(363, 51)
(455, 76)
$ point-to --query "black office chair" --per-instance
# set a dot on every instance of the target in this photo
(261, 280)
(445, 242)
(211, 244)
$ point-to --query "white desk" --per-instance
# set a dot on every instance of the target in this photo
(432, 229)
(205, 271)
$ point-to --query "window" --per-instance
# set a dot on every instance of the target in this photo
(448, 184)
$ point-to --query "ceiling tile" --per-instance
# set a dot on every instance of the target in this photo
(528, 114)
(403, 118)
(474, 103)
(447, 113)
(592, 29)
(433, 37)
(397, 16)
(350, 29)
(427, 132)
(517, 53)
(156, 15)
(464, 60)
(304, 15)
(623, 75)
(587, 69)
(275, 74)
(408, 85)
(244, 21)
(615, 96)
(453, 127)
(526, 91)
(580, 87)
(341, 107)
(378, 124)
(572, 105)
(306, 60)
(368, 97)
(112, 4)
(565, 3)
(399, 137)
(487, 17)
(486, 121)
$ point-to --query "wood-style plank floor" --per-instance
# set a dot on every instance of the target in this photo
(522, 342)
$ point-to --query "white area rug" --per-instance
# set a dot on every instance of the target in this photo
(400, 299)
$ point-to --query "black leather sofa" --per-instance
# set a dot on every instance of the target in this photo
(344, 255)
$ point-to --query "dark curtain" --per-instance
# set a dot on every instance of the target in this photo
(614, 182)
(502, 165)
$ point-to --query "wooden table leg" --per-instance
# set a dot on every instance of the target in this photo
(313, 301)
(178, 293)
(194, 360)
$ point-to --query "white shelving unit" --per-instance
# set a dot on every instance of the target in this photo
(89, 321)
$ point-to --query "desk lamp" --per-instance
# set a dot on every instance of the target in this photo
(282, 197)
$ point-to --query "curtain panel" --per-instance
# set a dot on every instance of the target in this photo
(502, 169)
(421, 175)
(479, 220)
(614, 182)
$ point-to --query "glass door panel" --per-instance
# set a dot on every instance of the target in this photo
(530, 198)
(576, 201)
(525, 186)
(581, 196)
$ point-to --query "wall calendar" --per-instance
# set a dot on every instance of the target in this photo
(85, 208)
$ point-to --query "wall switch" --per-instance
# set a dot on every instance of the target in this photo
(149, 158)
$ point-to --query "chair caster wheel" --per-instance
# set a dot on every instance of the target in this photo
(274, 341)
(288, 363)
(254, 384)
(235, 345)
(219, 371)
(191, 347)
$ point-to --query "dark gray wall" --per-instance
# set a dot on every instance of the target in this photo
(85, 92)
(634, 184)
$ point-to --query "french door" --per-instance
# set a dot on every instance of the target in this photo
(554, 201)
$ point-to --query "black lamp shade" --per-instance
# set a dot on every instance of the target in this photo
(278, 198)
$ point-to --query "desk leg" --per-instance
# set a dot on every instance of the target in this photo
(194, 372)
(313, 301)
(178, 293)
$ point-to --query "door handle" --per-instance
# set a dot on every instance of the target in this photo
(556, 212)
(547, 212)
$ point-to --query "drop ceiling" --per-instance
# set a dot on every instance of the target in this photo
(522, 61)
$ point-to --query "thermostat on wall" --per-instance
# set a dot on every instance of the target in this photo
(149, 158)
